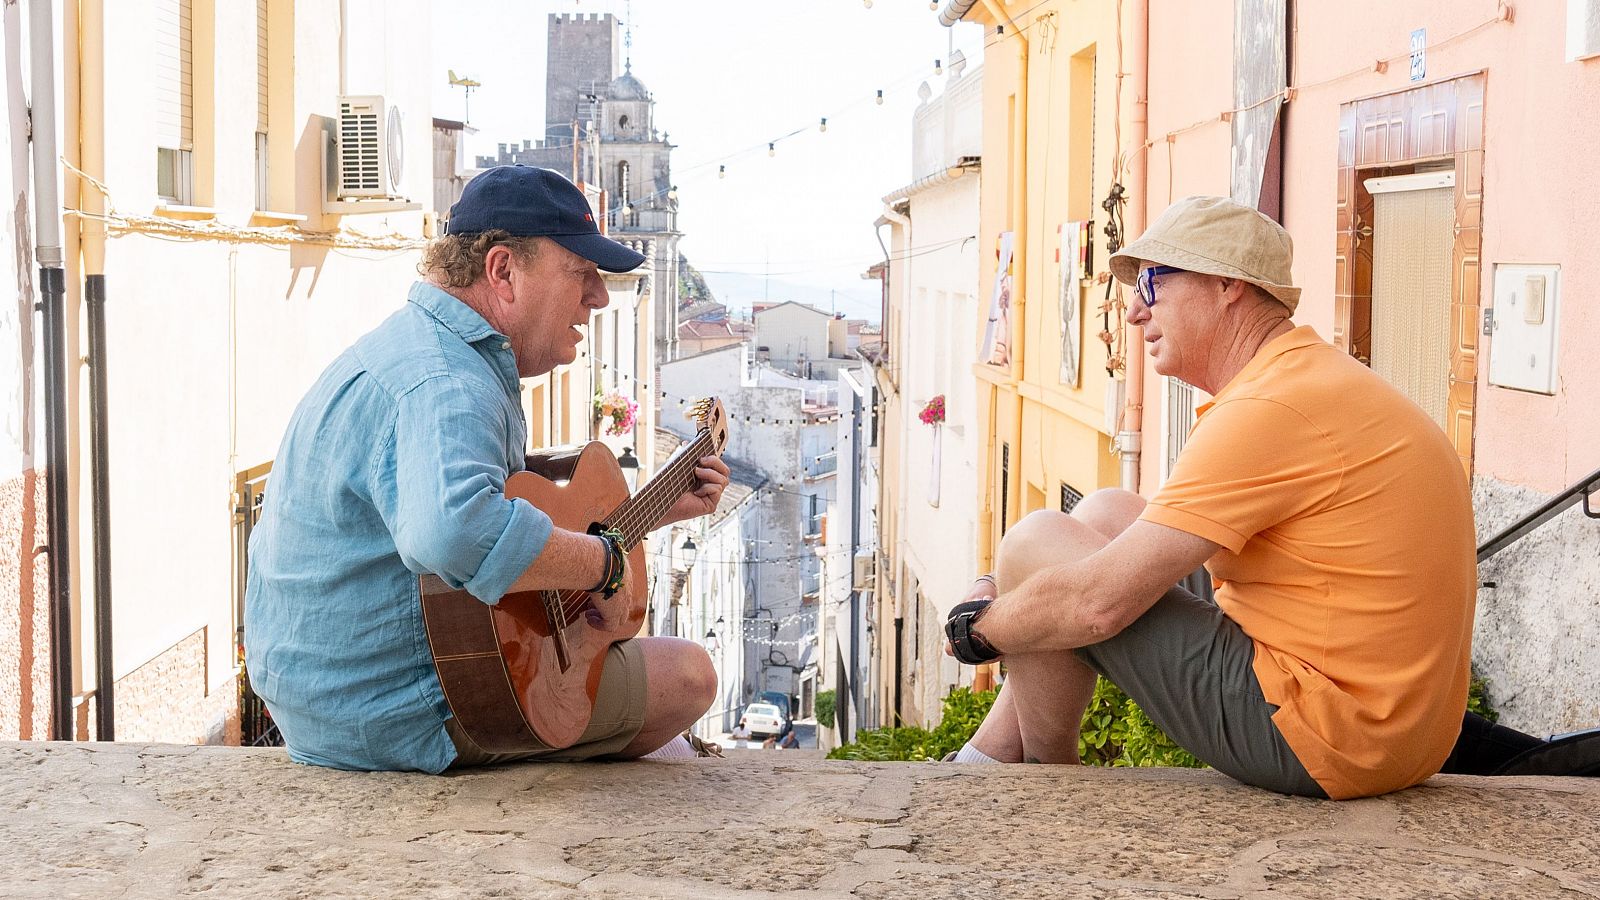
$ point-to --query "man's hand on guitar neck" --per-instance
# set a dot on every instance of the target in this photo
(711, 479)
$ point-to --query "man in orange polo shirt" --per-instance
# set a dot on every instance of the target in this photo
(1331, 511)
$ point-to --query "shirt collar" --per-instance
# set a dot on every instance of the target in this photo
(452, 313)
(1301, 336)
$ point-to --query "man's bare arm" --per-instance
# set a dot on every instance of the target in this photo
(569, 561)
(1080, 603)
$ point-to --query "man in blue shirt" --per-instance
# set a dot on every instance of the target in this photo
(394, 465)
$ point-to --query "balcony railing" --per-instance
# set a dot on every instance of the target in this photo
(822, 466)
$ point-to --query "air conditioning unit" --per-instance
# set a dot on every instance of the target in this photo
(371, 149)
(862, 570)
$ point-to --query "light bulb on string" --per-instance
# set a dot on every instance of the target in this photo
(867, 3)
(933, 5)
(722, 171)
(880, 98)
(672, 193)
(824, 125)
(938, 67)
(772, 149)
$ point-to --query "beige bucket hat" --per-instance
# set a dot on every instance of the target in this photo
(1215, 236)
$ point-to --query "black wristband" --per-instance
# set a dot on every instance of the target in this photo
(967, 644)
(616, 560)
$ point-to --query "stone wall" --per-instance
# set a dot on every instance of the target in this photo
(174, 699)
(24, 610)
(1537, 638)
(581, 49)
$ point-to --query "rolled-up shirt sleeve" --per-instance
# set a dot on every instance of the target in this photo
(440, 489)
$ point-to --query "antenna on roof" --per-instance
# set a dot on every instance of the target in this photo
(469, 84)
(627, 37)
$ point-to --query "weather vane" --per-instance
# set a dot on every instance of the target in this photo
(468, 84)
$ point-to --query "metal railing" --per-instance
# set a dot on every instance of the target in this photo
(1584, 489)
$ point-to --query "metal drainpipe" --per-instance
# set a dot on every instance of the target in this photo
(94, 292)
(91, 149)
(856, 630)
(1131, 438)
(52, 291)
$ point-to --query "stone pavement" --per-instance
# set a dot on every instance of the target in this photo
(161, 821)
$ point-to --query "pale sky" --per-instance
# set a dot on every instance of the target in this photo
(728, 76)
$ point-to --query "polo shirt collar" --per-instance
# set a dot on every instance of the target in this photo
(452, 313)
(1301, 336)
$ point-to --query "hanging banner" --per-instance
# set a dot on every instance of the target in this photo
(996, 348)
(1074, 244)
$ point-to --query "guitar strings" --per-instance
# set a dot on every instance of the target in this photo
(634, 516)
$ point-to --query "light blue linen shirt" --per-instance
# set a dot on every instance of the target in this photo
(393, 465)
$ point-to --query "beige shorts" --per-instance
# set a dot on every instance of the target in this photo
(618, 716)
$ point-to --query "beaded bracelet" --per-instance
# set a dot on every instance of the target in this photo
(616, 561)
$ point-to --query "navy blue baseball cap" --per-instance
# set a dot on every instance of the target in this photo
(528, 201)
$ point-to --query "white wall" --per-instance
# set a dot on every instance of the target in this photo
(21, 413)
(791, 332)
(764, 434)
(212, 344)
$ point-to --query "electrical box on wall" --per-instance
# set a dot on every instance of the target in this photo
(1522, 346)
(1583, 29)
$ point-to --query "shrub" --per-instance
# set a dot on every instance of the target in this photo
(963, 713)
(824, 708)
(1478, 697)
(1116, 732)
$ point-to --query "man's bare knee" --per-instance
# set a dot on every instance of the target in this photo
(1042, 539)
(1109, 510)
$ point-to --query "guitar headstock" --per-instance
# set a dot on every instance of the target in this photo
(710, 416)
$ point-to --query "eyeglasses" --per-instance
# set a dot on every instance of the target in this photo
(1146, 282)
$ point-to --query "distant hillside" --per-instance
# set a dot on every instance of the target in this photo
(692, 287)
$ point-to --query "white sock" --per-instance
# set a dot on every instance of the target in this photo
(677, 748)
(971, 754)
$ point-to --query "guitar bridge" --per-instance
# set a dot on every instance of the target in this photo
(558, 620)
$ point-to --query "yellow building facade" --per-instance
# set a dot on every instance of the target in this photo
(1058, 125)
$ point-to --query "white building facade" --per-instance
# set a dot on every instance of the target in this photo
(933, 297)
(779, 431)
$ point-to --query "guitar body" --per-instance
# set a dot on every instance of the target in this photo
(498, 664)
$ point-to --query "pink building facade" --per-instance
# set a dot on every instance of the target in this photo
(1435, 164)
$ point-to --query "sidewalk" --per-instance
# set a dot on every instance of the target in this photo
(160, 821)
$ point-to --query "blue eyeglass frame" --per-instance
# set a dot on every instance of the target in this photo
(1146, 282)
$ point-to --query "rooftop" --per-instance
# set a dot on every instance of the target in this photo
(148, 821)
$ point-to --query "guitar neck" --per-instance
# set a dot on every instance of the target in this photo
(638, 515)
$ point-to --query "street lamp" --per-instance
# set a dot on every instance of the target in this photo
(630, 468)
(690, 551)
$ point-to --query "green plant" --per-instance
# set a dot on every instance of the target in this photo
(963, 713)
(825, 708)
(1116, 732)
(1478, 697)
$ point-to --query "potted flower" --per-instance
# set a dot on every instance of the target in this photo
(933, 413)
(617, 410)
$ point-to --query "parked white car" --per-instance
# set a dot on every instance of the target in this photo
(761, 720)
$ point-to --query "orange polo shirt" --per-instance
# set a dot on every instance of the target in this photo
(1347, 535)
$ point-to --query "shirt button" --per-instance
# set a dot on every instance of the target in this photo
(506, 346)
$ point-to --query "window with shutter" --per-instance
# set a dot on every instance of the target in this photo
(262, 174)
(174, 81)
(1180, 419)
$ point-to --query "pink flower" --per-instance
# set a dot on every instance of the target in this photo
(618, 410)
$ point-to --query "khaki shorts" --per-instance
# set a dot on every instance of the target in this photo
(618, 717)
(1192, 670)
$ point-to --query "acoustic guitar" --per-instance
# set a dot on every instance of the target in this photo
(522, 674)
